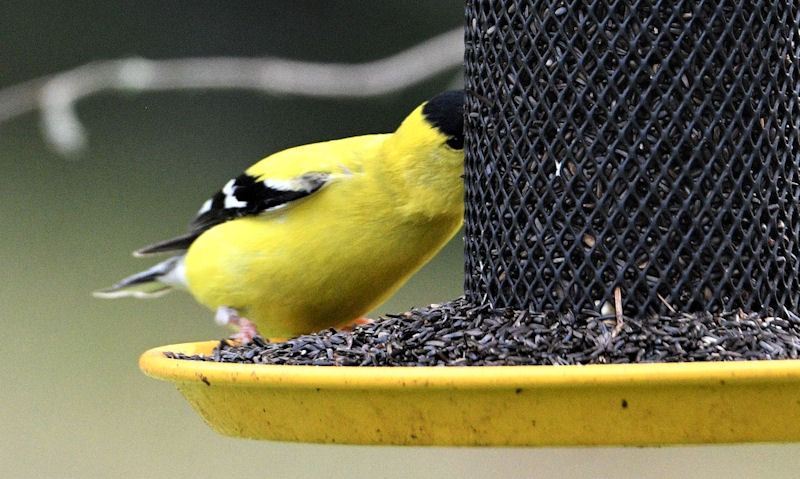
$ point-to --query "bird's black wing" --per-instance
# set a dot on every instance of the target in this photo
(244, 195)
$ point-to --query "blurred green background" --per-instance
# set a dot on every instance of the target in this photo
(73, 402)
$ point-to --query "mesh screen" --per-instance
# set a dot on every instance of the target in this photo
(645, 145)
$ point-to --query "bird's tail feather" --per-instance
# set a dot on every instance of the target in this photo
(151, 283)
(172, 244)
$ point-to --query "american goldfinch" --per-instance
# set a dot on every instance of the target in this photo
(315, 236)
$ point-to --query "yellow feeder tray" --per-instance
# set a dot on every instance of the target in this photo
(627, 404)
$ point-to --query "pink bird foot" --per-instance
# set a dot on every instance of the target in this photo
(247, 329)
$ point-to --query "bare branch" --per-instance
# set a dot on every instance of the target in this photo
(57, 94)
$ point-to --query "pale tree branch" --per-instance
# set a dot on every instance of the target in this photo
(55, 95)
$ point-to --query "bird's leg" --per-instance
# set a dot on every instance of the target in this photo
(247, 329)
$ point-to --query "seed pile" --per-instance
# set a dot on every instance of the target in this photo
(460, 334)
(648, 146)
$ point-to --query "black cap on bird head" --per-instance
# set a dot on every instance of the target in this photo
(445, 111)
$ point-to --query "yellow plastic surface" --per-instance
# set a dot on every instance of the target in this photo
(632, 404)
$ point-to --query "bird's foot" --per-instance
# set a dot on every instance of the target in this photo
(247, 329)
(357, 322)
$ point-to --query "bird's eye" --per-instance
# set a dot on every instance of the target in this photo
(456, 142)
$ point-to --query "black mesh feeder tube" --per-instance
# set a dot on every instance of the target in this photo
(650, 147)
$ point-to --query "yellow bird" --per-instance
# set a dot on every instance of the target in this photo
(317, 235)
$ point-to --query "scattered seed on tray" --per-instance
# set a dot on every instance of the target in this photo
(458, 333)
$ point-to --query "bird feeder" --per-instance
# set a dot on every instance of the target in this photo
(642, 155)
